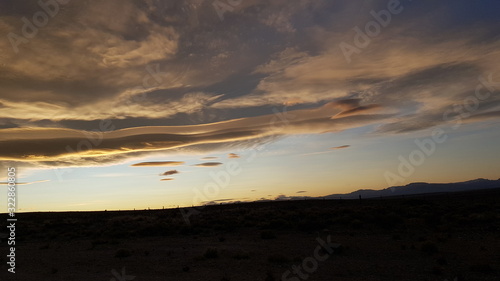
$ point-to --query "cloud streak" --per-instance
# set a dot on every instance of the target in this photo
(341, 147)
(158, 164)
(25, 183)
(208, 164)
(73, 146)
(169, 173)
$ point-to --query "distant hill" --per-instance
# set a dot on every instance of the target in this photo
(419, 188)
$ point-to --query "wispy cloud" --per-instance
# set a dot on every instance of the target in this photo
(341, 147)
(332, 149)
(158, 163)
(208, 164)
(315, 153)
(76, 147)
(169, 173)
(25, 183)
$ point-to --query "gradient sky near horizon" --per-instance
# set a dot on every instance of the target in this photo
(123, 104)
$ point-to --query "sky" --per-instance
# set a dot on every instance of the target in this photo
(135, 104)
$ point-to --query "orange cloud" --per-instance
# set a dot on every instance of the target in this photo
(341, 147)
(58, 146)
(208, 164)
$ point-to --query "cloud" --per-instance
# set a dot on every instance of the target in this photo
(301, 191)
(115, 40)
(158, 163)
(167, 179)
(233, 156)
(315, 153)
(25, 183)
(341, 147)
(209, 158)
(397, 70)
(169, 173)
(332, 149)
(58, 146)
(165, 84)
(208, 164)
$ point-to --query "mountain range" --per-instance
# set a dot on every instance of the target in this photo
(419, 188)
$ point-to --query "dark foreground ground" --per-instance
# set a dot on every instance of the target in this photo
(439, 237)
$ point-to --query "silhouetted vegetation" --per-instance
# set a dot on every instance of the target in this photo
(440, 236)
(306, 216)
